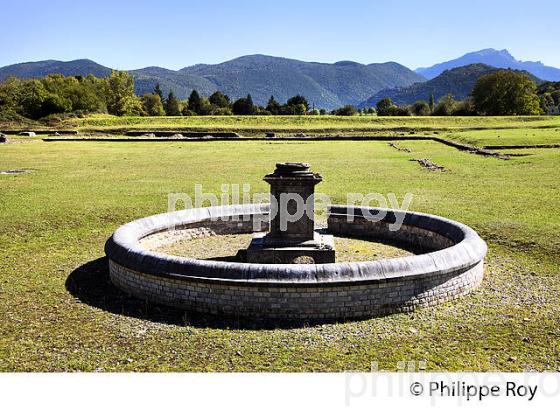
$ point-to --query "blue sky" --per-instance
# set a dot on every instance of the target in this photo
(173, 34)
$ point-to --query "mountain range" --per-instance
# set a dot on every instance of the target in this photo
(324, 85)
(494, 58)
(46, 67)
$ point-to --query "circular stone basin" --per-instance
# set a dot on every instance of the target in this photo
(449, 264)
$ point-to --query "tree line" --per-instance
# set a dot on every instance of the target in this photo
(503, 92)
(220, 104)
(56, 94)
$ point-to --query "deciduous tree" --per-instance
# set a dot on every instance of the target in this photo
(152, 104)
(119, 92)
(506, 92)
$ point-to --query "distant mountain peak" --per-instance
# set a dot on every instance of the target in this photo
(494, 58)
(506, 53)
(347, 63)
(489, 51)
(35, 69)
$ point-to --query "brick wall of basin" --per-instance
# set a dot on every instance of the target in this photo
(450, 266)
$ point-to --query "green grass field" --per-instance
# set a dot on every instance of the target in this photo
(478, 131)
(314, 123)
(60, 313)
(521, 136)
(258, 125)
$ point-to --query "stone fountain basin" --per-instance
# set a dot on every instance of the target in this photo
(451, 266)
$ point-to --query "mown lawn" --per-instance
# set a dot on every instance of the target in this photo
(501, 137)
(60, 313)
(478, 131)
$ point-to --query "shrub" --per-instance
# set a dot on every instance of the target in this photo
(347, 110)
(421, 108)
(220, 100)
(465, 107)
(385, 106)
(298, 100)
(400, 111)
(262, 111)
(244, 106)
(9, 115)
(445, 106)
(223, 111)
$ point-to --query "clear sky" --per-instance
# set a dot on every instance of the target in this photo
(173, 34)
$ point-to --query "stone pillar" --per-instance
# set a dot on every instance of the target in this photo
(292, 180)
(298, 242)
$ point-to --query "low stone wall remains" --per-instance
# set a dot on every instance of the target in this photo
(451, 266)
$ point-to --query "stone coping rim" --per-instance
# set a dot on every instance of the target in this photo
(267, 284)
(123, 248)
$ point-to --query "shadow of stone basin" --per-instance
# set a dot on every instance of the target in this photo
(91, 284)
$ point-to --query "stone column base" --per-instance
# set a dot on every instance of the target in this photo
(321, 250)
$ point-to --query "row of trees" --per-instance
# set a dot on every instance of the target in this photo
(57, 94)
(445, 106)
(549, 93)
(219, 104)
(503, 92)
